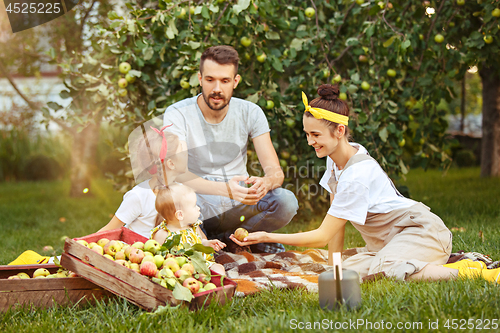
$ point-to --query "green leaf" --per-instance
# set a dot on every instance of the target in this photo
(171, 30)
(114, 16)
(241, 6)
(389, 42)
(202, 248)
(194, 45)
(402, 165)
(205, 13)
(352, 41)
(64, 94)
(272, 35)
(182, 293)
(406, 44)
(54, 106)
(193, 80)
(277, 64)
(213, 8)
(296, 44)
(171, 242)
(254, 98)
(148, 53)
(134, 73)
(151, 104)
(199, 262)
(383, 134)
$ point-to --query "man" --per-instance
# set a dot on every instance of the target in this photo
(216, 128)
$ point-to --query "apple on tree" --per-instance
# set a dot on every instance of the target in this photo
(122, 82)
(262, 57)
(124, 67)
(269, 104)
(245, 41)
(439, 38)
(309, 12)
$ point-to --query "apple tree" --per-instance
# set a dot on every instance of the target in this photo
(394, 64)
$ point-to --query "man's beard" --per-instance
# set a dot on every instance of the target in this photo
(215, 95)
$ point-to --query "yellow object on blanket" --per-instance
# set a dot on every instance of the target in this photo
(30, 258)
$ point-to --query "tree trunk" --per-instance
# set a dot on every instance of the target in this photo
(83, 160)
(490, 143)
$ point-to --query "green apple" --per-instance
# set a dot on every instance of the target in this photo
(182, 13)
(83, 242)
(40, 272)
(98, 249)
(285, 155)
(402, 142)
(269, 104)
(495, 12)
(411, 118)
(326, 73)
(439, 38)
(159, 260)
(360, 2)
(294, 158)
(420, 36)
(110, 257)
(210, 286)
(391, 72)
(460, 2)
(336, 79)
(488, 39)
(102, 242)
(343, 96)
(192, 9)
(283, 163)
(290, 122)
(23, 275)
(309, 12)
(188, 267)
(124, 67)
(365, 85)
(137, 245)
(184, 83)
(171, 264)
(262, 57)
(245, 41)
(166, 272)
(181, 260)
(130, 78)
(152, 246)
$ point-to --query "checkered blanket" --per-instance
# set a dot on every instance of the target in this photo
(298, 270)
(289, 270)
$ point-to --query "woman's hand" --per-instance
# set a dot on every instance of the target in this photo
(252, 238)
(215, 244)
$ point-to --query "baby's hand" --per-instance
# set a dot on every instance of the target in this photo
(216, 244)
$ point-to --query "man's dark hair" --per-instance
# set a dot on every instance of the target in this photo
(221, 54)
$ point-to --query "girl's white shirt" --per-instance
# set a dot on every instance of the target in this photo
(137, 209)
(364, 187)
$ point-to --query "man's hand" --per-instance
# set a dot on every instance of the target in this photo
(252, 238)
(215, 244)
(247, 196)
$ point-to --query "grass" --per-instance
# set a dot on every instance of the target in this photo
(29, 219)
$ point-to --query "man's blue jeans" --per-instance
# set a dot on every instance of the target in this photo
(271, 213)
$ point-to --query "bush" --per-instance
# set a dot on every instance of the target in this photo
(464, 158)
(41, 167)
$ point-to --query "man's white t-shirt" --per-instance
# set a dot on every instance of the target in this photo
(216, 150)
(363, 187)
(137, 209)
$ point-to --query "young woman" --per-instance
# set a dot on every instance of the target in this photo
(403, 238)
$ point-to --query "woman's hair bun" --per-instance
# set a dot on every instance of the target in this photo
(328, 92)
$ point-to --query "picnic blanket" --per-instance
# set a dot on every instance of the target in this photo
(298, 270)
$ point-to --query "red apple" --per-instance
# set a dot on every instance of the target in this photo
(189, 268)
(136, 256)
(192, 284)
(148, 268)
(120, 255)
(182, 275)
(112, 247)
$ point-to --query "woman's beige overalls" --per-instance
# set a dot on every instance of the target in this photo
(398, 243)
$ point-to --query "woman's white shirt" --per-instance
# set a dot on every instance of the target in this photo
(363, 188)
(137, 209)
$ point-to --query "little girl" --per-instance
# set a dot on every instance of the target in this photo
(178, 214)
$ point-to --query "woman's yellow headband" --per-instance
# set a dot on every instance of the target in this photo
(324, 114)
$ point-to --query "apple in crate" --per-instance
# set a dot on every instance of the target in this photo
(112, 247)
(138, 245)
(192, 284)
(102, 242)
(182, 275)
(148, 268)
(181, 260)
(122, 262)
(171, 264)
(120, 255)
(210, 286)
(135, 267)
(41, 272)
(159, 260)
(136, 256)
(98, 249)
(152, 246)
(189, 268)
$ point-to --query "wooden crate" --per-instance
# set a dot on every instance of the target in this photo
(127, 283)
(45, 293)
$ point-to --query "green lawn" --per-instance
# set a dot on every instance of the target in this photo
(30, 219)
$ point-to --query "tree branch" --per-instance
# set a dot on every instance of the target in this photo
(216, 22)
(34, 106)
